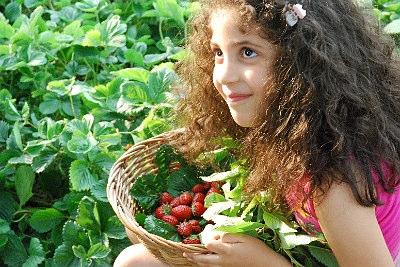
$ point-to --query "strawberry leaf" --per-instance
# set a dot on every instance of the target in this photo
(161, 228)
(147, 190)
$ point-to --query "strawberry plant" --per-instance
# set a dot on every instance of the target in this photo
(79, 81)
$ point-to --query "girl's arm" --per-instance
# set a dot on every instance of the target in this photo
(352, 230)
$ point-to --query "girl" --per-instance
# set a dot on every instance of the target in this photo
(312, 89)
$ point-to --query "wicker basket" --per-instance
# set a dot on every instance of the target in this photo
(138, 160)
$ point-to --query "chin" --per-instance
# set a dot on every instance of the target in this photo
(243, 123)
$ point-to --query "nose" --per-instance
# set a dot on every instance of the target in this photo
(227, 72)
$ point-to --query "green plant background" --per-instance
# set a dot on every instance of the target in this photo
(79, 82)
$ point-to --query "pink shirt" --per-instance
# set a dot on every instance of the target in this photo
(387, 215)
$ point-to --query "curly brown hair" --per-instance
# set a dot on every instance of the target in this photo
(335, 96)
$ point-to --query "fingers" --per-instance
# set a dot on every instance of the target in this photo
(233, 238)
(219, 247)
(204, 259)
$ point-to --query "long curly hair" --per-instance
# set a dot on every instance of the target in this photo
(333, 108)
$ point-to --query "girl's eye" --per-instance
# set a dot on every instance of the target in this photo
(217, 52)
(249, 53)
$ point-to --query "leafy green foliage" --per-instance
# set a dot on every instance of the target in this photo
(79, 81)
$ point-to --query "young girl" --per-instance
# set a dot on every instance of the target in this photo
(312, 89)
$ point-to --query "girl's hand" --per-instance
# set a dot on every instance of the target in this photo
(231, 250)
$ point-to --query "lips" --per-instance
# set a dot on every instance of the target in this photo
(237, 97)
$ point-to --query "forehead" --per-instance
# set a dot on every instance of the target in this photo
(227, 21)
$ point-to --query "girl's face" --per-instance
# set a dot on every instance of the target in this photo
(242, 66)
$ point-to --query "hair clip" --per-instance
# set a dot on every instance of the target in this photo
(294, 13)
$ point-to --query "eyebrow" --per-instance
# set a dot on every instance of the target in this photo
(239, 43)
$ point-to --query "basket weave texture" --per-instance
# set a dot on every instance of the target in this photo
(138, 160)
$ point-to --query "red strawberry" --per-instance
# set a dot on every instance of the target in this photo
(166, 198)
(193, 239)
(217, 184)
(207, 185)
(198, 188)
(182, 212)
(214, 190)
(170, 219)
(161, 211)
(186, 198)
(199, 197)
(175, 202)
(196, 228)
(184, 229)
(197, 208)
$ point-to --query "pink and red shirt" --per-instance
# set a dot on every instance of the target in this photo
(387, 215)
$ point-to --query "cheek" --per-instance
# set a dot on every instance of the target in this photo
(217, 85)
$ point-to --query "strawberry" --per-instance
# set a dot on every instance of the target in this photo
(198, 209)
(198, 188)
(207, 185)
(199, 197)
(196, 228)
(217, 184)
(186, 198)
(214, 190)
(161, 211)
(166, 198)
(182, 212)
(175, 202)
(193, 239)
(184, 229)
(170, 219)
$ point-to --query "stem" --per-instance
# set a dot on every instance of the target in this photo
(160, 28)
(72, 105)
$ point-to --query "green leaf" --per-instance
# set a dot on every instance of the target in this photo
(323, 255)
(92, 38)
(170, 9)
(114, 228)
(132, 92)
(12, 11)
(88, 214)
(137, 74)
(98, 251)
(14, 252)
(79, 251)
(74, 29)
(134, 57)
(17, 135)
(36, 254)
(81, 143)
(161, 228)
(290, 240)
(147, 190)
(213, 198)
(64, 256)
(45, 220)
(61, 87)
(73, 233)
(88, 5)
(3, 240)
(4, 227)
(6, 30)
(183, 180)
(249, 228)
(393, 27)
(43, 160)
(4, 128)
(8, 206)
(80, 176)
(24, 180)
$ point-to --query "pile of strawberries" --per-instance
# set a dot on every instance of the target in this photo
(184, 211)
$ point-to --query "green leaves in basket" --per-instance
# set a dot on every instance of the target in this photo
(165, 155)
(161, 228)
(147, 190)
(183, 180)
(248, 228)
